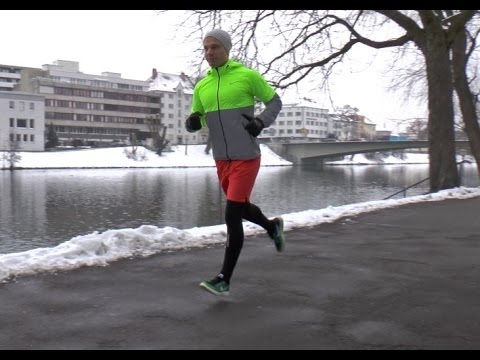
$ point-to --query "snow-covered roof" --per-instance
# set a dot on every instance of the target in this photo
(301, 102)
(170, 82)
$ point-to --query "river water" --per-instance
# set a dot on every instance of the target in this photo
(43, 208)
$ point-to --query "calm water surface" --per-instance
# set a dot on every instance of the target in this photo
(43, 208)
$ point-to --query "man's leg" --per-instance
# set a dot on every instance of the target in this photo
(235, 237)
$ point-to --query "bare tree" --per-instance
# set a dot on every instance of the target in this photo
(308, 44)
(11, 157)
(158, 131)
(418, 127)
(348, 115)
(132, 153)
(464, 43)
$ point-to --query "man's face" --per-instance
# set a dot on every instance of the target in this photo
(215, 53)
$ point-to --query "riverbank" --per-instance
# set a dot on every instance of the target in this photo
(180, 156)
(126, 157)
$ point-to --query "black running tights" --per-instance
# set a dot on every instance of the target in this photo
(235, 212)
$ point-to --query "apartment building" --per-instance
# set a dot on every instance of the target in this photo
(303, 121)
(176, 92)
(22, 121)
(299, 121)
(87, 109)
(9, 77)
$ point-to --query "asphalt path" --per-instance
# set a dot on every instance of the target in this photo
(400, 278)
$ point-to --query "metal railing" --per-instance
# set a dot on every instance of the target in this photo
(404, 190)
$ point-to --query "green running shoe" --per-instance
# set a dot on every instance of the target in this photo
(278, 237)
(216, 286)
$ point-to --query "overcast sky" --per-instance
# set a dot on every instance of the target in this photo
(132, 42)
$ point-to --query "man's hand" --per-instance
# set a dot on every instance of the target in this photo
(254, 126)
(193, 123)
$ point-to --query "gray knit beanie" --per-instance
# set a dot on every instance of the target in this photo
(221, 36)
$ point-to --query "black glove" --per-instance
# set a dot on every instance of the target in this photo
(193, 123)
(254, 126)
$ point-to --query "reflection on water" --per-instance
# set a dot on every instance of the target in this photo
(42, 208)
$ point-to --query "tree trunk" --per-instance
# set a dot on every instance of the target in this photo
(465, 96)
(441, 134)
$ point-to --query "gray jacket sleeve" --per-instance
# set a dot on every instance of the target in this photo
(270, 113)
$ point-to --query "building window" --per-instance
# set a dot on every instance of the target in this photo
(25, 137)
(22, 123)
(12, 122)
(97, 94)
(32, 123)
(11, 104)
(32, 138)
(32, 106)
(22, 105)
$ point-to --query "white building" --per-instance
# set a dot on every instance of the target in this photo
(306, 121)
(299, 121)
(176, 93)
(22, 121)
